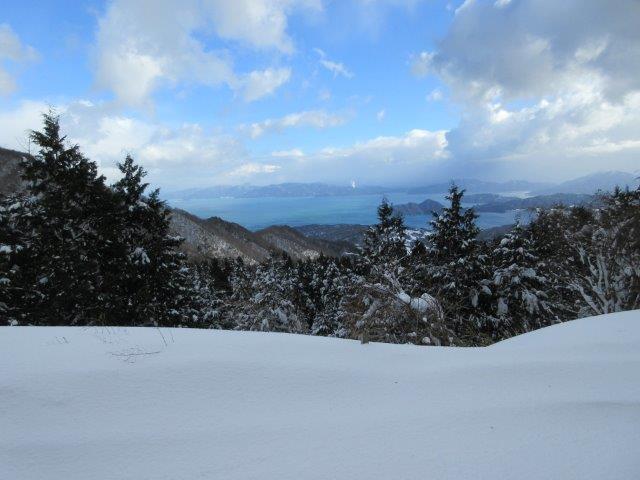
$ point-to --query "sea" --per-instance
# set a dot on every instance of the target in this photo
(258, 213)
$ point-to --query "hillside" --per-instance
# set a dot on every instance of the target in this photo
(215, 237)
(104, 403)
(342, 232)
(423, 208)
(297, 245)
(10, 170)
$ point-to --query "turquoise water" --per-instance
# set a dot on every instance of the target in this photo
(257, 213)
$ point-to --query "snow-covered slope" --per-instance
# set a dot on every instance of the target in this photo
(217, 238)
(98, 403)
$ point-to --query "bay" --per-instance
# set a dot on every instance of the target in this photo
(257, 213)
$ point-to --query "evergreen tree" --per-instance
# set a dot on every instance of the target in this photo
(14, 274)
(520, 301)
(385, 241)
(269, 306)
(78, 252)
(455, 266)
(145, 277)
(330, 284)
(606, 273)
(454, 229)
(60, 217)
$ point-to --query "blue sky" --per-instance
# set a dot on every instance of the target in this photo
(390, 92)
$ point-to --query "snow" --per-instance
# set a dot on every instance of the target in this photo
(106, 403)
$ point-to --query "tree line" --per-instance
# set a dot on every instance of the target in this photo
(76, 251)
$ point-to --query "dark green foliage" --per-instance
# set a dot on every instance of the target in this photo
(79, 252)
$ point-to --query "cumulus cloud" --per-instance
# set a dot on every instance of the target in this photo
(12, 50)
(544, 85)
(318, 119)
(258, 23)
(136, 53)
(537, 47)
(383, 160)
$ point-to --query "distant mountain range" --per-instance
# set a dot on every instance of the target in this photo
(588, 184)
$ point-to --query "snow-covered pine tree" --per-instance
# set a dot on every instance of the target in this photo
(208, 294)
(266, 304)
(454, 230)
(605, 246)
(83, 253)
(521, 302)
(375, 306)
(59, 217)
(385, 241)
(455, 265)
(154, 283)
(14, 265)
(329, 285)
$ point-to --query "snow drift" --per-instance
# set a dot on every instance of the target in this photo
(116, 403)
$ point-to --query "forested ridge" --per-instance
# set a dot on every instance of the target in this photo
(76, 251)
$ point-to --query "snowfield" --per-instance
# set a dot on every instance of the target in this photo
(119, 403)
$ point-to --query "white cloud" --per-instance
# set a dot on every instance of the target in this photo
(251, 169)
(397, 149)
(12, 49)
(186, 155)
(259, 23)
(15, 124)
(543, 86)
(538, 47)
(380, 115)
(258, 84)
(337, 68)
(382, 160)
(138, 52)
(294, 152)
(421, 63)
(312, 118)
